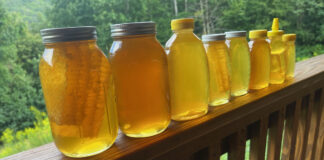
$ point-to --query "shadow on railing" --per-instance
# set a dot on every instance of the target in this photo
(289, 117)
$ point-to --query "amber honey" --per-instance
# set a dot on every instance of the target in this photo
(141, 76)
(79, 94)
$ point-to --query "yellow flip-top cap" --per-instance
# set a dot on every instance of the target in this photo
(262, 33)
(183, 23)
(275, 29)
(289, 37)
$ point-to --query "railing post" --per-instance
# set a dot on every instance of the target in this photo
(258, 139)
(292, 118)
(276, 123)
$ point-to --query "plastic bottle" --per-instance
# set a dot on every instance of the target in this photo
(278, 49)
(188, 72)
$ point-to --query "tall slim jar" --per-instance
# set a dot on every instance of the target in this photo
(290, 55)
(188, 72)
(219, 68)
(260, 59)
(140, 70)
(240, 62)
(79, 92)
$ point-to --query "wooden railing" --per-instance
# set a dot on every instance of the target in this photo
(284, 121)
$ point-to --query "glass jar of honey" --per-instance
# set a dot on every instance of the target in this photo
(188, 72)
(240, 62)
(260, 59)
(140, 70)
(219, 68)
(77, 82)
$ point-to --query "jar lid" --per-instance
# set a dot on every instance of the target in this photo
(289, 37)
(213, 37)
(233, 34)
(182, 23)
(134, 28)
(258, 34)
(52, 35)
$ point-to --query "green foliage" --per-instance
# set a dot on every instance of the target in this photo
(28, 138)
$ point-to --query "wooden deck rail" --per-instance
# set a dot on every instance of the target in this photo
(290, 117)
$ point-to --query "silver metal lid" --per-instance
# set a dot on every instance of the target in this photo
(53, 35)
(235, 34)
(213, 37)
(134, 28)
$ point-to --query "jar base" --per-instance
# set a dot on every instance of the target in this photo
(218, 102)
(239, 93)
(257, 87)
(151, 133)
(189, 115)
(78, 155)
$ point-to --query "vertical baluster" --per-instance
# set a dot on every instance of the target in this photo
(276, 123)
(215, 150)
(292, 117)
(319, 133)
(303, 126)
(237, 144)
(258, 139)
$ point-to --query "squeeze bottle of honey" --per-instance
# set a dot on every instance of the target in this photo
(188, 72)
(278, 49)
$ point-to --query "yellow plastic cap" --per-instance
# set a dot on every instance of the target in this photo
(275, 29)
(183, 23)
(289, 37)
(275, 24)
(262, 33)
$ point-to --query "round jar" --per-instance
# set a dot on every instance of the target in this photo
(78, 88)
(140, 69)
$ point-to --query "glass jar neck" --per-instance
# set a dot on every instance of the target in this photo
(181, 31)
(138, 36)
(85, 42)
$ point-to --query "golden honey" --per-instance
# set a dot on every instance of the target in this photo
(240, 62)
(290, 55)
(188, 72)
(278, 49)
(260, 59)
(219, 68)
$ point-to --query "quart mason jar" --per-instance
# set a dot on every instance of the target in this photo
(140, 71)
(78, 88)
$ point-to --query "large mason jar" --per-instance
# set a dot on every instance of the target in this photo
(140, 69)
(78, 88)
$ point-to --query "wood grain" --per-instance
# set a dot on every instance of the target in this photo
(221, 121)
